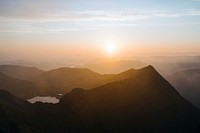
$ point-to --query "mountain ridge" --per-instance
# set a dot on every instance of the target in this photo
(114, 66)
(145, 102)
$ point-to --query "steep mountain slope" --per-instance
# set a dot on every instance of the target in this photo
(187, 83)
(146, 102)
(20, 72)
(20, 88)
(114, 67)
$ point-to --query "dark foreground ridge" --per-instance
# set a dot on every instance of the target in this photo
(145, 102)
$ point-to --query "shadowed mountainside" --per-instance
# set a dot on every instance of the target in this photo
(188, 84)
(145, 102)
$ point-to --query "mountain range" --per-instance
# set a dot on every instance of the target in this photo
(20, 72)
(53, 82)
(142, 102)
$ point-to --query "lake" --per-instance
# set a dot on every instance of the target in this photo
(46, 99)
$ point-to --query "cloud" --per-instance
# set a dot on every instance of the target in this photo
(73, 21)
(97, 16)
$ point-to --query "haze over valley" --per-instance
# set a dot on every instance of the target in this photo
(99, 66)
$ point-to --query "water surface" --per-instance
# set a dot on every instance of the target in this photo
(46, 99)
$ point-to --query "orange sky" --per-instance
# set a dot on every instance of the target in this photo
(69, 28)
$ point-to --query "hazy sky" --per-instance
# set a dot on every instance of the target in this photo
(63, 28)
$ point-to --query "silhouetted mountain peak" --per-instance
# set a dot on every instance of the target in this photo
(148, 69)
(144, 102)
(144, 73)
(145, 80)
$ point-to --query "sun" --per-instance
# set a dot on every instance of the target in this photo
(111, 48)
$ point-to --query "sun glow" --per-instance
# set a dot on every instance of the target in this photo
(111, 48)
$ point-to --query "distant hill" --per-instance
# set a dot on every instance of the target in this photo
(20, 88)
(188, 84)
(145, 102)
(114, 67)
(57, 81)
(20, 72)
(62, 77)
(65, 79)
